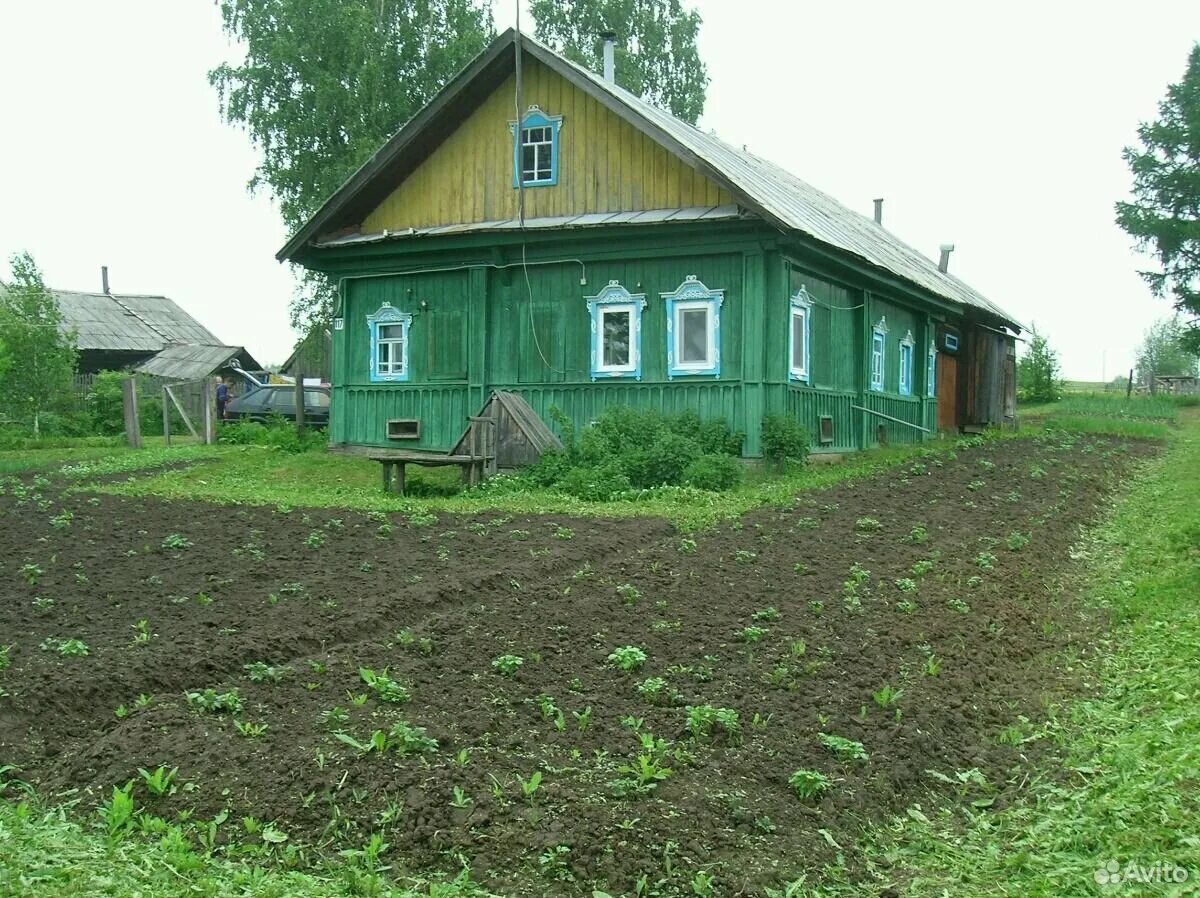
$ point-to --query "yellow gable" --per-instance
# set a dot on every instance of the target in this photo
(604, 165)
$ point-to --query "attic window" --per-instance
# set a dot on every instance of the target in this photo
(535, 153)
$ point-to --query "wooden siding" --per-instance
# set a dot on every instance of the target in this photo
(604, 166)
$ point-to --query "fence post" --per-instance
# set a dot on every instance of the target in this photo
(1129, 385)
(210, 435)
(166, 404)
(133, 432)
(299, 400)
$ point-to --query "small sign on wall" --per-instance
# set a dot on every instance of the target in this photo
(339, 324)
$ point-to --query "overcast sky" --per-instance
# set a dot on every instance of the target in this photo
(998, 128)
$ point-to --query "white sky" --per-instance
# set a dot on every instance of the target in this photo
(997, 128)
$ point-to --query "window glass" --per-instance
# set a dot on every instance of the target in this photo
(799, 362)
(536, 151)
(877, 361)
(931, 375)
(693, 336)
(283, 399)
(316, 399)
(906, 357)
(617, 331)
(390, 349)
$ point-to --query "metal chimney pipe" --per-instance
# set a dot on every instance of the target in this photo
(944, 261)
(610, 56)
(878, 210)
(104, 279)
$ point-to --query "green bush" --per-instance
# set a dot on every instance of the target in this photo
(713, 472)
(277, 433)
(595, 484)
(783, 438)
(628, 449)
(104, 406)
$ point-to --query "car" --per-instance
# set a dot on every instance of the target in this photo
(261, 403)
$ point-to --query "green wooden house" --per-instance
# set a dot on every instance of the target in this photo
(600, 251)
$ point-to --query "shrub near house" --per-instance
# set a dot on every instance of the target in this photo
(636, 449)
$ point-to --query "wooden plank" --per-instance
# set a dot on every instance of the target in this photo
(186, 420)
(133, 430)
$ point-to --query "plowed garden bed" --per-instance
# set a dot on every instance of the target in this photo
(919, 613)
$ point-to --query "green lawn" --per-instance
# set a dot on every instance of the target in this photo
(256, 475)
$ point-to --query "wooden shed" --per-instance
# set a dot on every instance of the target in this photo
(517, 437)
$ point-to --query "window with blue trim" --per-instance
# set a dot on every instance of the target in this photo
(931, 370)
(906, 364)
(878, 353)
(800, 340)
(693, 329)
(616, 332)
(389, 344)
(535, 149)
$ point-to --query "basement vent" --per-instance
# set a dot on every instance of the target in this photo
(825, 430)
(403, 429)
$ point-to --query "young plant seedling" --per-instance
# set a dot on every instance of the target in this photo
(885, 696)
(809, 784)
(159, 783)
(842, 748)
(507, 665)
(385, 688)
(627, 658)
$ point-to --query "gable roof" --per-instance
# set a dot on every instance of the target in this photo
(131, 323)
(191, 362)
(763, 187)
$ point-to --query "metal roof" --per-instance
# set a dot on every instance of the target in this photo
(133, 323)
(761, 186)
(796, 204)
(190, 362)
(590, 219)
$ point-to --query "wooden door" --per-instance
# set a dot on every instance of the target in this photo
(947, 393)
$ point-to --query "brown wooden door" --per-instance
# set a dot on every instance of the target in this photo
(947, 392)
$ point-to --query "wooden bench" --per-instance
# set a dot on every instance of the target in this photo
(479, 461)
(394, 462)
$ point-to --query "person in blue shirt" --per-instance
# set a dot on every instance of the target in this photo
(222, 398)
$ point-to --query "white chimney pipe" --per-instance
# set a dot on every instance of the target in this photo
(610, 56)
(878, 210)
(944, 261)
(104, 279)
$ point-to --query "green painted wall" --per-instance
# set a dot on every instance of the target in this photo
(489, 324)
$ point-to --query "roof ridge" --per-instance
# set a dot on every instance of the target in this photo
(167, 339)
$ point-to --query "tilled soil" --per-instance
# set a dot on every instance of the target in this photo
(941, 581)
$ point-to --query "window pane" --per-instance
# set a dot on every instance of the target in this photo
(385, 355)
(693, 336)
(316, 399)
(798, 341)
(391, 331)
(616, 342)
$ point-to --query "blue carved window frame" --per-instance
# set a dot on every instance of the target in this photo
(615, 299)
(535, 118)
(800, 308)
(931, 370)
(878, 353)
(907, 347)
(388, 315)
(689, 296)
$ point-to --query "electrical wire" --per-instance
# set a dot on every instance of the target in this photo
(519, 162)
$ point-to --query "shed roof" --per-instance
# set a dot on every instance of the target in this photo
(771, 192)
(135, 323)
(191, 361)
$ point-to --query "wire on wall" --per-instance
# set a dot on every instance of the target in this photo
(518, 163)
